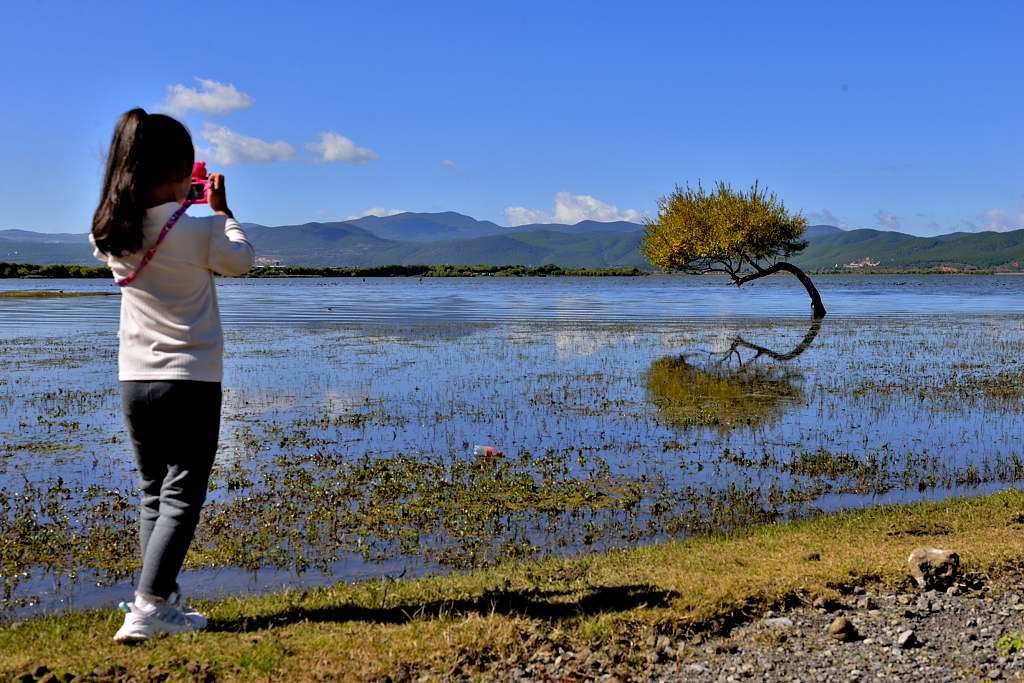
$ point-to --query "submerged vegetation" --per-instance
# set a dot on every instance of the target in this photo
(347, 451)
(659, 480)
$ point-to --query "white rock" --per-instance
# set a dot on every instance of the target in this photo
(907, 639)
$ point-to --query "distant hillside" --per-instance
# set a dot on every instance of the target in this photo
(531, 247)
(426, 227)
(25, 246)
(432, 227)
(832, 247)
(453, 238)
(318, 244)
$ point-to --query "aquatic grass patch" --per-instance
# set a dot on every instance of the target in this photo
(302, 513)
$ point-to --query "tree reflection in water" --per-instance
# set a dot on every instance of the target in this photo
(728, 389)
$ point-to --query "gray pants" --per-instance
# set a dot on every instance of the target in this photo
(174, 427)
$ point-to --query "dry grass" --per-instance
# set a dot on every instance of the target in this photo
(469, 622)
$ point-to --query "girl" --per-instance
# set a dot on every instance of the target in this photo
(171, 344)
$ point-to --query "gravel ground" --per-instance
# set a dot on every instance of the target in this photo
(932, 636)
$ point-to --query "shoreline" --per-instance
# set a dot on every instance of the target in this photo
(23, 271)
(488, 623)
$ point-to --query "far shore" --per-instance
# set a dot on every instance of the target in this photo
(47, 294)
(76, 271)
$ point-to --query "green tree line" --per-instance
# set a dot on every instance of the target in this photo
(27, 270)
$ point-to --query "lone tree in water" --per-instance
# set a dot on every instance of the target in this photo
(745, 235)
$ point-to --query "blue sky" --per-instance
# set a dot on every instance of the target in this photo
(894, 115)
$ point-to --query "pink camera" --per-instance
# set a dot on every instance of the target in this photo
(200, 184)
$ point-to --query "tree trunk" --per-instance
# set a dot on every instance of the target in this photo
(817, 308)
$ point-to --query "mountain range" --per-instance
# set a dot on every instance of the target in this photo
(453, 238)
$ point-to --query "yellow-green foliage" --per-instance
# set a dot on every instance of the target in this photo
(687, 396)
(702, 231)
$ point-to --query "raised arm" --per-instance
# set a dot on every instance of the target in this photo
(231, 252)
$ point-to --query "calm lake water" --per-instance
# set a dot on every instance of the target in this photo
(316, 301)
(629, 410)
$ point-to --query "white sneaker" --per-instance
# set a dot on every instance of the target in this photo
(164, 620)
(198, 619)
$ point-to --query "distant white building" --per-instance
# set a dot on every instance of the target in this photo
(866, 262)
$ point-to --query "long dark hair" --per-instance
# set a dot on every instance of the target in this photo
(147, 149)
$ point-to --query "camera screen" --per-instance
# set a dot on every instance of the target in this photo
(198, 191)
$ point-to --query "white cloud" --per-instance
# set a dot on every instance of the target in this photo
(826, 217)
(376, 211)
(335, 147)
(1001, 220)
(889, 220)
(229, 147)
(571, 209)
(212, 97)
(582, 207)
(452, 166)
(520, 215)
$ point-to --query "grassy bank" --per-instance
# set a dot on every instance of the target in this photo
(491, 618)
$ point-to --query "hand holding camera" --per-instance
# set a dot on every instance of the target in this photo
(209, 190)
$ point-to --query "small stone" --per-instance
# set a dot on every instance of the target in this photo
(858, 590)
(825, 604)
(994, 674)
(865, 602)
(906, 640)
(933, 568)
(842, 629)
(779, 622)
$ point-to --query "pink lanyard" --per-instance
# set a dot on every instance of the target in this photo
(126, 280)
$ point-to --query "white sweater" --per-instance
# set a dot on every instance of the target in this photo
(170, 323)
